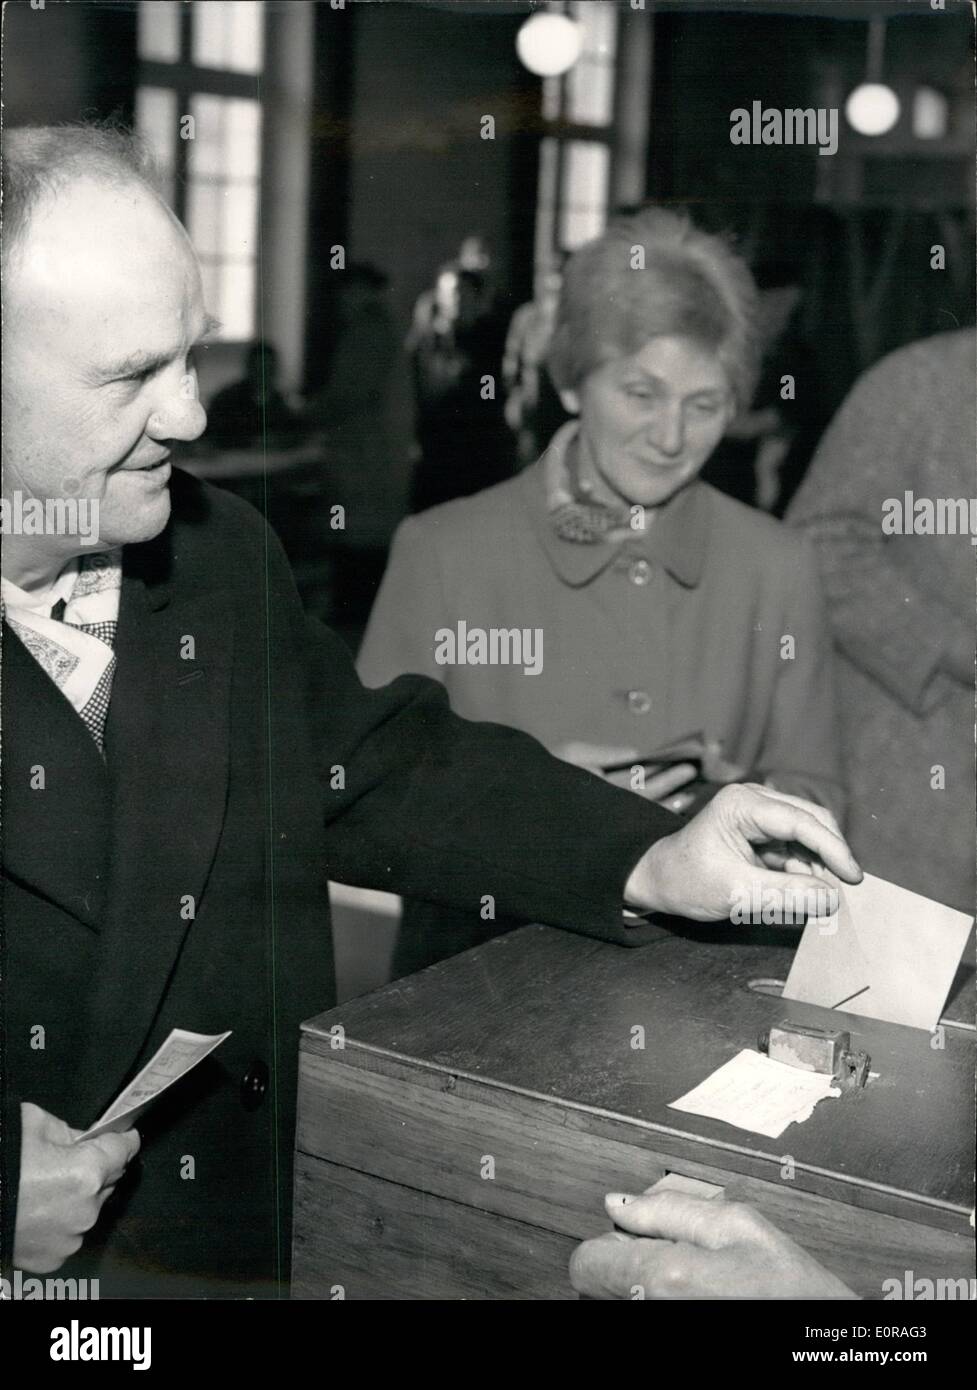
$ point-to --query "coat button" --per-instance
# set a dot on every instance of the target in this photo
(640, 572)
(254, 1084)
(639, 701)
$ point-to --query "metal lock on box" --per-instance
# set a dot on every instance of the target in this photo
(816, 1049)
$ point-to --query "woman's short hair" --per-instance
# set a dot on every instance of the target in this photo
(655, 274)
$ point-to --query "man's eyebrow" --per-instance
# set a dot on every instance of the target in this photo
(139, 363)
(136, 364)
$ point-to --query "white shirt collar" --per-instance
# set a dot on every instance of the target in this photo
(40, 601)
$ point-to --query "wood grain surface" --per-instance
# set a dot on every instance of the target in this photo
(374, 1240)
(543, 1013)
(521, 1052)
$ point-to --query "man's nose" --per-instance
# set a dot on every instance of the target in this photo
(667, 430)
(179, 416)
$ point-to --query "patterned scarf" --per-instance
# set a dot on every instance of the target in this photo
(74, 644)
(574, 513)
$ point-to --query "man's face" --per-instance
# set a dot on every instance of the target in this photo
(649, 422)
(103, 305)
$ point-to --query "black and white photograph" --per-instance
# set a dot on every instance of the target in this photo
(489, 524)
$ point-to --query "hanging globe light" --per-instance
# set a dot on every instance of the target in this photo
(549, 44)
(872, 109)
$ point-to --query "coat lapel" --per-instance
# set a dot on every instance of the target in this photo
(55, 833)
(167, 749)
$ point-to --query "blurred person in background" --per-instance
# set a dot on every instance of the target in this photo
(473, 254)
(349, 419)
(456, 358)
(253, 412)
(901, 604)
(533, 409)
(683, 633)
(766, 449)
(254, 448)
(352, 401)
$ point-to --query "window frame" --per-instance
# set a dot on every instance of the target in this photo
(187, 80)
(562, 130)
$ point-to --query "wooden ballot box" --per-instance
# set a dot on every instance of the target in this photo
(458, 1130)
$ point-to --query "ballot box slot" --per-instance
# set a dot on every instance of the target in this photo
(774, 989)
(959, 1026)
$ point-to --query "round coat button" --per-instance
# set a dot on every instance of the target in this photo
(639, 701)
(254, 1084)
(640, 572)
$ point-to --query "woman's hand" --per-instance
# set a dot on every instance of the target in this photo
(716, 768)
(663, 787)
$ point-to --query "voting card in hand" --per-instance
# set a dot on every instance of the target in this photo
(179, 1054)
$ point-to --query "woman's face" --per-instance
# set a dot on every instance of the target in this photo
(649, 422)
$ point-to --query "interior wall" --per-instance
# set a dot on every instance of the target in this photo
(779, 200)
(420, 177)
(67, 62)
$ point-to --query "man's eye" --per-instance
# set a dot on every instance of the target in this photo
(144, 375)
(705, 407)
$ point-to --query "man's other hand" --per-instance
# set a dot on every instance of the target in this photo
(63, 1186)
(685, 1247)
(749, 844)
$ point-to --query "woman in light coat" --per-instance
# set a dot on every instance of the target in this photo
(630, 616)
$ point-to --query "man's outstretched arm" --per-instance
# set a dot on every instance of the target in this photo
(453, 811)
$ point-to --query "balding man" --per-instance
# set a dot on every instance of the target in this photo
(187, 762)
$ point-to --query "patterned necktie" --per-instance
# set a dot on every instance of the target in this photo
(73, 641)
(95, 711)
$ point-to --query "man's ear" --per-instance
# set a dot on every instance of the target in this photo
(571, 402)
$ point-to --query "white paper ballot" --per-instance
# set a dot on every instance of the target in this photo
(887, 954)
(752, 1092)
(179, 1054)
